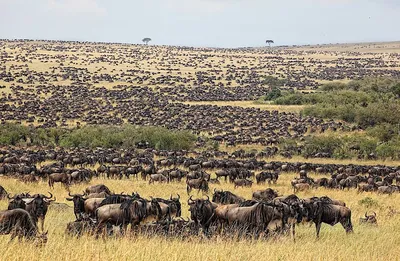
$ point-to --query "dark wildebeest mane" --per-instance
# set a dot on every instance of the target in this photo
(114, 199)
(248, 203)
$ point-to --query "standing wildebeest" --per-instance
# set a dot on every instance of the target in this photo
(18, 222)
(200, 184)
(79, 205)
(321, 212)
(63, 178)
(202, 212)
(97, 189)
(226, 197)
(37, 207)
(254, 219)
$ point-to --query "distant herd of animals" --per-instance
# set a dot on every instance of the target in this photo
(73, 90)
(101, 212)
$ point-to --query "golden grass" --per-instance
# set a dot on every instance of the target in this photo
(367, 243)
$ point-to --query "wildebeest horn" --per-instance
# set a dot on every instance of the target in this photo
(366, 214)
(8, 196)
(170, 197)
(214, 190)
(179, 197)
(69, 194)
(374, 213)
(208, 198)
(51, 195)
(190, 199)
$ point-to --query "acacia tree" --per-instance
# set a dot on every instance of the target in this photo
(146, 40)
(269, 42)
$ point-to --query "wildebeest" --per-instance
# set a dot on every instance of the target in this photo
(79, 204)
(301, 187)
(202, 212)
(253, 220)
(97, 189)
(79, 227)
(38, 206)
(200, 184)
(320, 212)
(369, 219)
(226, 197)
(265, 195)
(267, 176)
(242, 183)
(158, 177)
(63, 178)
(174, 206)
(18, 222)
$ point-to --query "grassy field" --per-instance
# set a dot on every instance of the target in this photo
(366, 243)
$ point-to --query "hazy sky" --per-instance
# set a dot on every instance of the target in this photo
(216, 23)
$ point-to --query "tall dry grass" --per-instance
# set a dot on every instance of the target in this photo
(366, 243)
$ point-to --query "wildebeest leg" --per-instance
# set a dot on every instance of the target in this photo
(294, 231)
(42, 223)
(13, 235)
(318, 228)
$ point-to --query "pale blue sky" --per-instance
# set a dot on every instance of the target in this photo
(214, 23)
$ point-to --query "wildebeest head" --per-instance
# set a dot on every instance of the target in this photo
(16, 202)
(39, 204)
(369, 219)
(218, 196)
(79, 202)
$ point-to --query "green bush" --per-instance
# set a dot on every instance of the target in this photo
(368, 202)
(97, 136)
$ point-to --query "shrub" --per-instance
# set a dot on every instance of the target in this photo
(368, 202)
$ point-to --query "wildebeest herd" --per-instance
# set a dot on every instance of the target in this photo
(100, 211)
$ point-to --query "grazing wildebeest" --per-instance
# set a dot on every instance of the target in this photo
(18, 222)
(97, 189)
(369, 219)
(79, 204)
(242, 183)
(321, 212)
(63, 178)
(200, 184)
(226, 197)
